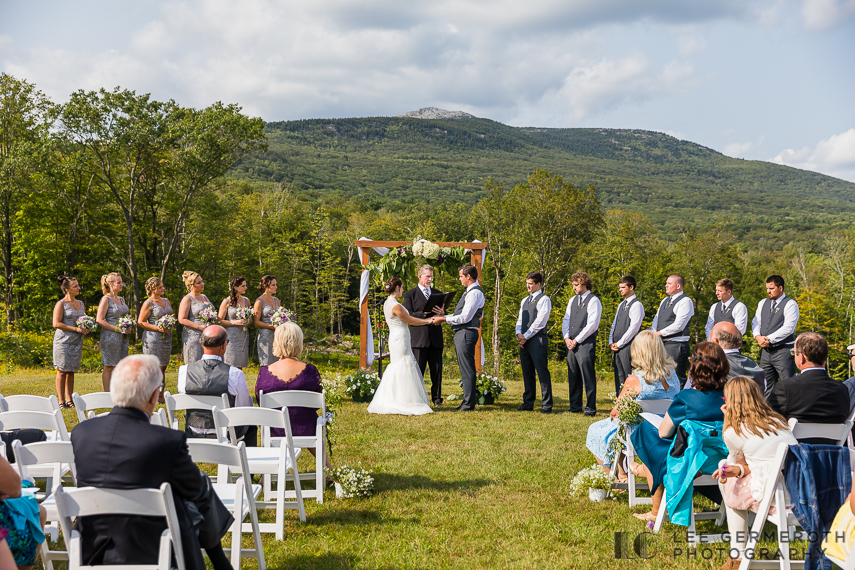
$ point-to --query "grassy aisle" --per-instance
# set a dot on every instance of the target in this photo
(486, 489)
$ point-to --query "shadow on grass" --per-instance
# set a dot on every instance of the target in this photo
(337, 561)
(355, 517)
(390, 481)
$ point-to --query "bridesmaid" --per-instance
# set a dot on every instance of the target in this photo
(237, 349)
(67, 339)
(156, 340)
(264, 307)
(188, 315)
(114, 343)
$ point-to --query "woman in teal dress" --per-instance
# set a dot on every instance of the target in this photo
(653, 378)
(702, 402)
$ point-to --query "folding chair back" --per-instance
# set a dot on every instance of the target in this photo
(47, 421)
(89, 501)
(158, 418)
(90, 402)
(29, 403)
(658, 407)
(54, 453)
(176, 402)
(239, 498)
(302, 399)
(836, 434)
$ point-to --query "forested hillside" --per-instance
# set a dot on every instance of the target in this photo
(385, 160)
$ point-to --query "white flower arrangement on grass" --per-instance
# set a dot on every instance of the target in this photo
(592, 477)
(353, 481)
(361, 383)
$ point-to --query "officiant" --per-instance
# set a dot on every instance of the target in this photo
(426, 341)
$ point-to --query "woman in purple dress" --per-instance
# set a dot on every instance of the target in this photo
(289, 373)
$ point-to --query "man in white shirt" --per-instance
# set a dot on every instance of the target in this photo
(579, 327)
(210, 376)
(672, 322)
(728, 309)
(534, 343)
(466, 324)
(627, 323)
(774, 329)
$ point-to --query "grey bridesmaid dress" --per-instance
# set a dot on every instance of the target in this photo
(114, 345)
(237, 350)
(264, 343)
(190, 337)
(68, 346)
(155, 342)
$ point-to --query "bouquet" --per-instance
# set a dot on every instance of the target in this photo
(125, 324)
(628, 414)
(281, 316)
(353, 481)
(209, 316)
(244, 314)
(86, 322)
(167, 323)
(361, 383)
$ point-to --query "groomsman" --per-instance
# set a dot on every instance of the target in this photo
(774, 328)
(626, 325)
(534, 344)
(727, 309)
(580, 335)
(672, 322)
(426, 342)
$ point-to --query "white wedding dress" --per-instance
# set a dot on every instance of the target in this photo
(402, 389)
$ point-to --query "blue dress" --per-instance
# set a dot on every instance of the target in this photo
(601, 433)
(689, 404)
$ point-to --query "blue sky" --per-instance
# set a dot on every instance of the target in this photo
(766, 80)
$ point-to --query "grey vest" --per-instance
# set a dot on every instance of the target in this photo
(770, 322)
(208, 377)
(667, 317)
(579, 319)
(720, 315)
(476, 318)
(529, 315)
(622, 321)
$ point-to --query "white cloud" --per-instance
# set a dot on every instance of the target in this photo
(737, 150)
(834, 156)
(825, 14)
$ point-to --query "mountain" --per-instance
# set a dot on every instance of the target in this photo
(434, 113)
(405, 160)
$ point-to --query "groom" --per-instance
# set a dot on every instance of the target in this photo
(465, 323)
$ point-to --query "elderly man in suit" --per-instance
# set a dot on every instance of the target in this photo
(122, 450)
(426, 342)
(726, 335)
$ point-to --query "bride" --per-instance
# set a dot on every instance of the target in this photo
(402, 389)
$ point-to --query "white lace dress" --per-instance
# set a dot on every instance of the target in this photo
(402, 389)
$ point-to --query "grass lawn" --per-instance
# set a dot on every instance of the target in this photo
(487, 489)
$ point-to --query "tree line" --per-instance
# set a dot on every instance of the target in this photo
(116, 181)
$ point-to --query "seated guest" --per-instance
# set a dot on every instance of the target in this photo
(850, 383)
(21, 521)
(752, 432)
(727, 336)
(841, 536)
(122, 450)
(210, 376)
(709, 369)
(812, 396)
(653, 378)
(289, 373)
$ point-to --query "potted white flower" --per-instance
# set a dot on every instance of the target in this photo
(593, 480)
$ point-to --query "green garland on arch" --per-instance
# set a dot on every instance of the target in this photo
(404, 261)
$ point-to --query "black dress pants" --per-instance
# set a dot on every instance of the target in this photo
(533, 359)
(582, 376)
(431, 356)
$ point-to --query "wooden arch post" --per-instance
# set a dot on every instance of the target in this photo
(477, 252)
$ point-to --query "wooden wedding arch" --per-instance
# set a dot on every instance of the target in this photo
(477, 258)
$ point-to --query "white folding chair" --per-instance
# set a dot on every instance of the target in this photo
(91, 501)
(271, 462)
(38, 420)
(836, 434)
(301, 399)
(845, 564)
(58, 454)
(158, 418)
(658, 407)
(177, 402)
(30, 403)
(91, 402)
(239, 498)
(851, 439)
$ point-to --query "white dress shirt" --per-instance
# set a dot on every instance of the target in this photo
(737, 309)
(544, 307)
(684, 309)
(237, 382)
(636, 315)
(595, 311)
(473, 300)
(791, 319)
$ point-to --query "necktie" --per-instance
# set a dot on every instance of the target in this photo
(426, 292)
(580, 301)
(622, 306)
(774, 305)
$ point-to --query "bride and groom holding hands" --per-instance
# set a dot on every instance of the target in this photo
(402, 389)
